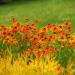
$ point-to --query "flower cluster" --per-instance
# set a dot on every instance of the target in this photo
(40, 42)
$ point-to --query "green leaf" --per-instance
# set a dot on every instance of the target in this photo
(33, 56)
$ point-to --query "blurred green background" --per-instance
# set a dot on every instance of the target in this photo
(48, 11)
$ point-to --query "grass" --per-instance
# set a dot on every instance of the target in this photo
(20, 68)
(49, 11)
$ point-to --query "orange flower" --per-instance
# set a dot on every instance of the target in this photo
(72, 40)
(62, 38)
(2, 28)
(2, 36)
(38, 54)
(68, 24)
(36, 41)
(33, 25)
(24, 39)
(47, 39)
(51, 39)
(37, 21)
(14, 20)
(41, 35)
(57, 30)
(14, 29)
(49, 26)
(69, 29)
(28, 36)
(45, 29)
(34, 31)
(10, 41)
(11, 36)
(6, 41)
(24, 29)
(7, 31)
(48, 50)
(14, 41)
(45, 52)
